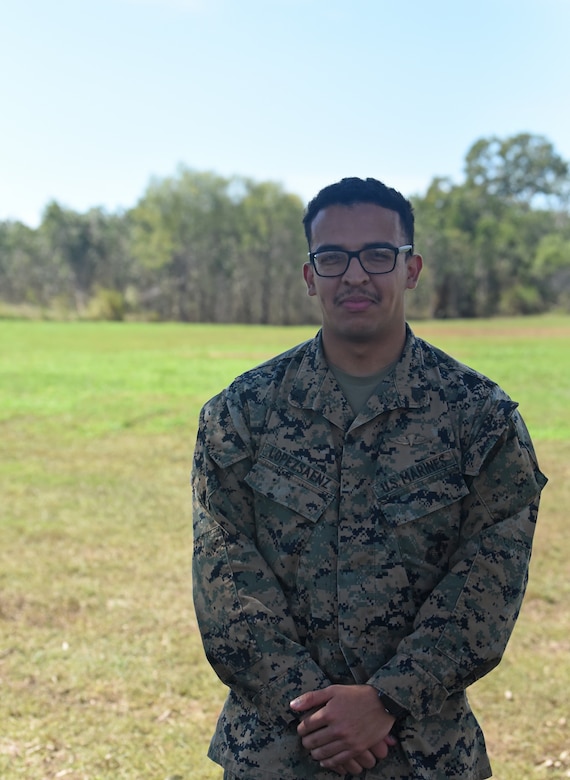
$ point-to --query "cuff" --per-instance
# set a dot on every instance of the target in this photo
(409, 687)
(272, 701)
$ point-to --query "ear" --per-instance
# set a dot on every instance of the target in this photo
(414, 266)
(309, 276)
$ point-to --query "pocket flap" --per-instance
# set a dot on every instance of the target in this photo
(420, 489)
(289, 489)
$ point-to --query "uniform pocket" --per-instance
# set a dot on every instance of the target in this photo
(288, 511)
(297, 490)
(421, 489)
(425, 517)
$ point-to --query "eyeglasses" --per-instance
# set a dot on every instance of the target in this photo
(378, 259)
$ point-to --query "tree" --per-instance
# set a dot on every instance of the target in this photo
(219, 250)
(551, 268)
(202, 247)
(519, 168)
(480, 237)
(184, 237)
(23, 277)
(271, 251)
(86, 246)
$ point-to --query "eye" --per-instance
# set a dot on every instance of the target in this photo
(330, 258)
(379, 255)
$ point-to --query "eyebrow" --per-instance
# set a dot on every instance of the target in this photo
(340, 248)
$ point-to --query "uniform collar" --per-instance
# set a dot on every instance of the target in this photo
(315, 387)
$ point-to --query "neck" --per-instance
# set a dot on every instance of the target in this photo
(363, 358)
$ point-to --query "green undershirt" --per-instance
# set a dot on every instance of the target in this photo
(358, 389)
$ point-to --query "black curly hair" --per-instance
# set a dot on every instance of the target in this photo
(350, 191)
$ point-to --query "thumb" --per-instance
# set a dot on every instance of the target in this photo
(311, 700)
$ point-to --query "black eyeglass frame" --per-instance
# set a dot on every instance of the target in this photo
(408, 248)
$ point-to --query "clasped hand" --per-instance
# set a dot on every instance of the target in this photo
(344, 727)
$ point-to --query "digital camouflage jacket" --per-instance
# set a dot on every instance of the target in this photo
(390, 549)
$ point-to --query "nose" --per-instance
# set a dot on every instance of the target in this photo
(355, 273)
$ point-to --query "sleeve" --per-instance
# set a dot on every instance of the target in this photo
(462, 629)
(249, 636)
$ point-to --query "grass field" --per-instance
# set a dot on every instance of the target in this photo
(101, 668)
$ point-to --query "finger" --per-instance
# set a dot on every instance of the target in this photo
(366, 759)
(305, 714)
(311, 700)
(351, 766)
(380, 750)
(333, 754)
(310, 724)
(321, 746)
(307, 723)
(341, 770)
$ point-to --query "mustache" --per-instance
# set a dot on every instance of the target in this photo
(341, 298)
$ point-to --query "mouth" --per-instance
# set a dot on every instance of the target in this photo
(356, 303)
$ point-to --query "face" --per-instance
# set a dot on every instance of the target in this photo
(357, 307)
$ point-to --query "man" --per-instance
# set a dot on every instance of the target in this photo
(364, 510)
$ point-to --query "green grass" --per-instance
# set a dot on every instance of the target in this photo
(101, 668)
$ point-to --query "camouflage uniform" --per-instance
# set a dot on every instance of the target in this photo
(389, 549)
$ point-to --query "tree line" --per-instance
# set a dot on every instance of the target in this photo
(198, 247)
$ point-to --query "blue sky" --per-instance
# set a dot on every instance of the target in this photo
(99, 96)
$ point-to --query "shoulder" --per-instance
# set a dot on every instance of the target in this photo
(254, 385)
(272, 371)
(459, 381)
(482, 413)
(244, 403)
